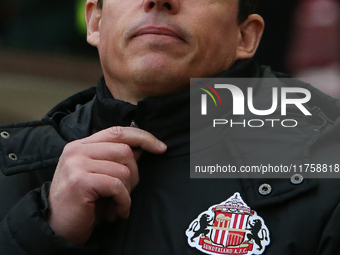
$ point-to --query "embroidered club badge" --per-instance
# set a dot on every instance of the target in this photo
(229, 228)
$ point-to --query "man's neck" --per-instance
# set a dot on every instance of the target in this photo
(133, 93)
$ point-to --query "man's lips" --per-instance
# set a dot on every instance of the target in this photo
(152, 30)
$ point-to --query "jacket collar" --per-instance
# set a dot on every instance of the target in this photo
(168, 118)
(108, 111)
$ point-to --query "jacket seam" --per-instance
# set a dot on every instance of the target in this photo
(28, 166)
(25, 125)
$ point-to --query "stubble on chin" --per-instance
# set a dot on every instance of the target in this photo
(159, 79)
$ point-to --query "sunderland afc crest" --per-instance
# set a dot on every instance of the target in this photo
(229, 228)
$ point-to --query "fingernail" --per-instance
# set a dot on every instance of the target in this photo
(161, 145)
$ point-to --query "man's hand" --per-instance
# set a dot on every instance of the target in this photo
(94, 179)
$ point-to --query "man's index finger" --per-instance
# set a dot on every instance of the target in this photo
(134, 137)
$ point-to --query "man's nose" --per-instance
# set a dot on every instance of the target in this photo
(171, 6)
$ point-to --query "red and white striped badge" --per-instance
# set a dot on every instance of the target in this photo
(230, 227)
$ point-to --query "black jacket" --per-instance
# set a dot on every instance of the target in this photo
(301, 218)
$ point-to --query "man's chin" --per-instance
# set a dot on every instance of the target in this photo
(159, 71)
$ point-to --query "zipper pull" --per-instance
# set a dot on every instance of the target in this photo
(134, 124)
